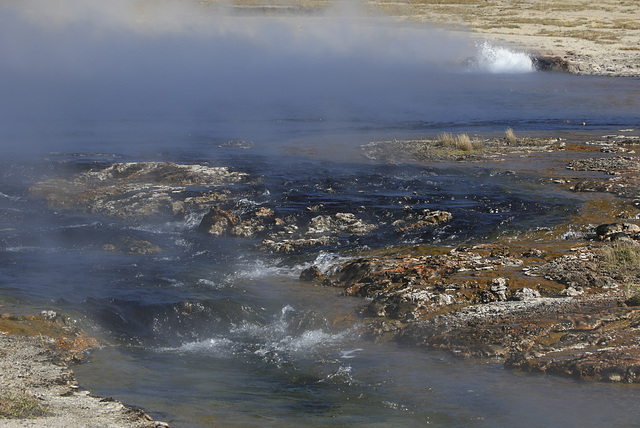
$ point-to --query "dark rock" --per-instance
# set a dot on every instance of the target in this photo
(126, 245)
(613, 231)
(310, 273)
(633, 300)
(217, 222)
(550, 63)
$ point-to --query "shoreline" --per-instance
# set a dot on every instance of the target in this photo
(583, 38)
(554, 289)
(38, 386)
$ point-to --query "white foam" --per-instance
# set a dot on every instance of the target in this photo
(216, 346)
(278, 336)
(257, 269)
(11, 198)
(497, 59)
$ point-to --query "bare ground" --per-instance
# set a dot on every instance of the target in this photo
(37, 386)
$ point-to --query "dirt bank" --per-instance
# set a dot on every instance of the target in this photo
(37, 386)
(588, 37)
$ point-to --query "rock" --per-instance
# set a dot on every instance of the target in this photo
(534, 252)
(633, 300)
(126, 245)
(217, 222)
(289, 246)
(526, 294)
(339, 223)
(610, 165)
(613, 231)
(499, 287)
(135, 190)
(580, 269)
(426, 218)
(310, 273)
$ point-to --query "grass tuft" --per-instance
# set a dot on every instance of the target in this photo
(459, 142)
(510, 137)
(20, 406)
(623, 258)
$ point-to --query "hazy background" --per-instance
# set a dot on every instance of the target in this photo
(105, 65)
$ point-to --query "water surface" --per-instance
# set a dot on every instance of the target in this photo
(214, 332)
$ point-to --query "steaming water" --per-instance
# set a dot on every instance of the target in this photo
(211, 331)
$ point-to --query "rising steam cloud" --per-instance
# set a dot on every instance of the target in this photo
(125, 58)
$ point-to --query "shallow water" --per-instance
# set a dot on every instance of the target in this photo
(214, 332)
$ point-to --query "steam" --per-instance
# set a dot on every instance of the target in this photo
(134, 60)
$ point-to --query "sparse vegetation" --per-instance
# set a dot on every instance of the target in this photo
(458, 141)
(20, 405)
(623, 258)
(510, 137)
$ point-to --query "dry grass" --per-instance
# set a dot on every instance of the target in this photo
(623, 258)
(460, 142)
(447, 2)
(20, 406)
(510, 137)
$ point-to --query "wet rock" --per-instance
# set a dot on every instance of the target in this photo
(136, 190)
(426, 218)
(217, 222)
(408, 303)
(550, 63)
(412, 287)
(126, 245)
(310, 273)
(613, 231)
(338, 223)
(290, 246)
(581, 346)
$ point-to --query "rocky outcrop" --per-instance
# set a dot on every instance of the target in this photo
(477, 302)
(567, 336)
(411, 287)
(610, 165)
(131, 191)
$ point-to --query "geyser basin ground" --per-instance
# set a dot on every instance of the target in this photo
(228, 331)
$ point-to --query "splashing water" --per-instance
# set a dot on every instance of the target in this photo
(496, 59)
